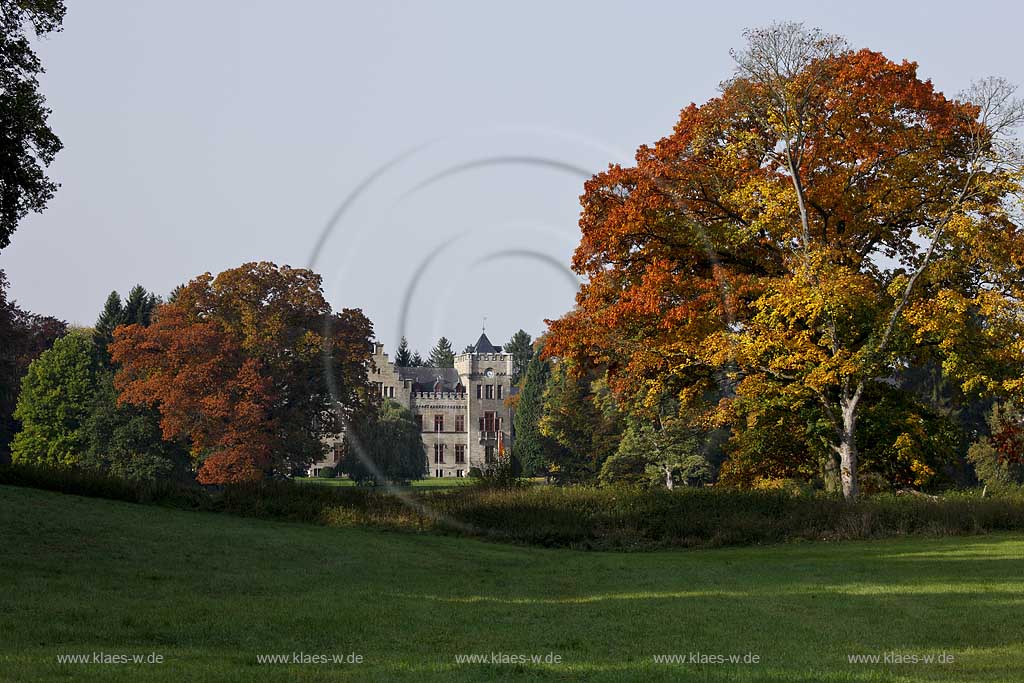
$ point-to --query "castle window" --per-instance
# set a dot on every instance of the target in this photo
(460, 423)
(478, 390)
(489, 391)
(439, 423)
(499, 391)
(489, 455)
(438, 473)
(438, 453)
(460, 453)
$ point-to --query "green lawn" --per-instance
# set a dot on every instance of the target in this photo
(211, 592)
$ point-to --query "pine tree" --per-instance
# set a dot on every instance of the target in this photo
(111, 316)
(403, 356)
(138, 307)
(416, 361)
(535, 452)
(442, 355)
(521, 348)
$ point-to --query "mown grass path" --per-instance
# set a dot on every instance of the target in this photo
(210, 593)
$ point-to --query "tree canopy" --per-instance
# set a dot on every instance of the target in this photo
(251, 366)
(825, 221)
(442, 355)
(386, 448)
(27, 145)
(55, 400)
(521, 348)
(23, 336)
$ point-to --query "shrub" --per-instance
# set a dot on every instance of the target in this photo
(326, 473)
(611, 517)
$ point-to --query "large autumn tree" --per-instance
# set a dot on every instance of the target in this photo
(828, 220)
(251, 366)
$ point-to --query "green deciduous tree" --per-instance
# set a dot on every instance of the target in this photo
(998, 458)
(126, 441)
(56, 397)
(385, 448)
(659, 457)
(27, 145)
(581, 416)
(23, 336)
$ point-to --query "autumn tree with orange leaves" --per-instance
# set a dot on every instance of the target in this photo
(829, 219)
(251, 367)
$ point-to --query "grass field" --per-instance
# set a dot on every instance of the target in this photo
(212, 592)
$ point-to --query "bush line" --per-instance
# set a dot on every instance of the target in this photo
(606, 518)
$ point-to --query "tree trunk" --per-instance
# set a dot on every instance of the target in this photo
(847, 448)
(830, 472)
(669, 484)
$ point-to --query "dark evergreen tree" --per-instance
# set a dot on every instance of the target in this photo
(403, 356)
(111, 316)
(535, 452)
(417, 360)
(442, 355)
(138, 307)
(521, 348)
(469, 348)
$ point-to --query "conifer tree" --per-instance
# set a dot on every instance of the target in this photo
(111, 316)
(403, 356)
(521, 348)
(442, 355)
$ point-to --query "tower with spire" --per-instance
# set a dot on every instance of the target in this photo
(464, 421)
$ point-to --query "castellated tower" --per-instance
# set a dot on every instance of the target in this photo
(461, 411)
(487, 375)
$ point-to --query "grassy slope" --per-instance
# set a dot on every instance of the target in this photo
(209, 592)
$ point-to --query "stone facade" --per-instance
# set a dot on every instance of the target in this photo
(462, 413)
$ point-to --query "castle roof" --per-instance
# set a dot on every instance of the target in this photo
(425, 379)
(484, 345)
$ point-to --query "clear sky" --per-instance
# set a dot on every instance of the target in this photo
(445, 143)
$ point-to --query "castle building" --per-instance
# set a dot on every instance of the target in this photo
(461, 411)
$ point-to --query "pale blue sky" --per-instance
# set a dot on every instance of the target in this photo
(200, 135)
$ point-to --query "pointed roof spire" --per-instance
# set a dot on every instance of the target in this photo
(484, 345)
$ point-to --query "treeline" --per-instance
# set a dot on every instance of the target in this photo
(919, 433)
(232, 378)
